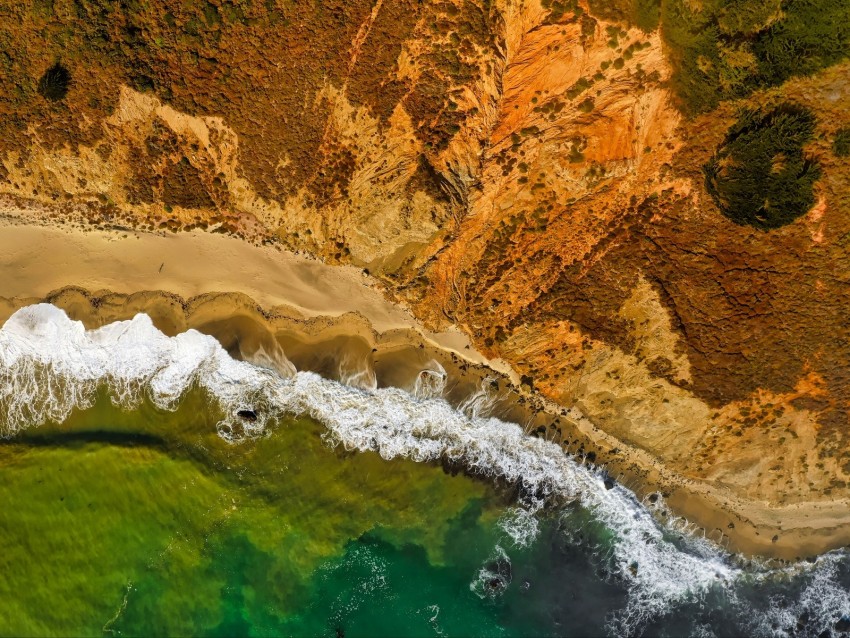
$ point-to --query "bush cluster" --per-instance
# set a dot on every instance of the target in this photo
(760, 175)
(55, 82)
(724, 49)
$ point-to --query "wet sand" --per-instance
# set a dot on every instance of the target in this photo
(334, 320)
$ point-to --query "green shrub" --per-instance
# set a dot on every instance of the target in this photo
(841, 143)
(725, 49)
(759, 175)
(581, 85)
(577, 146)
(559, 8)
(811, 35)
(586, 105)
(55, 82)
(647, 14)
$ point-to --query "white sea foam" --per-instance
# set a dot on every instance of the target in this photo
(50, 365)
(274, 359)
(481, 402)
(818, 600)
(357, 372)
(494, 576)
(430, 382)
(521, 524)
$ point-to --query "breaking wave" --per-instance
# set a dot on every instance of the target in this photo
(50, 365)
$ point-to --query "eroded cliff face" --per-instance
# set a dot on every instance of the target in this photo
(530, 170)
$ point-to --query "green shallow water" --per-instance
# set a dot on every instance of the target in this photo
(146, 523)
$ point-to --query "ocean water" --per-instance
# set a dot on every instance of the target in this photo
(156, 486)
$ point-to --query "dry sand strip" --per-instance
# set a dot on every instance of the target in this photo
(36, 260)
(197, 279)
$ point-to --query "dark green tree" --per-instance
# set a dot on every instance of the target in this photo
(760, 175)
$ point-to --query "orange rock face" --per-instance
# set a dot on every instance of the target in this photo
(523, 172)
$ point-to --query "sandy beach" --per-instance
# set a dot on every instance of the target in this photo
(334, 320)
(36, 260)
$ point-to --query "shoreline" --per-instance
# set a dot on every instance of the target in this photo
(246, 294)
(192, 263)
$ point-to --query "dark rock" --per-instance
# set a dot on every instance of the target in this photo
(502, 574)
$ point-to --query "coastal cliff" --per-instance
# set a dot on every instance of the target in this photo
(643, 208)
